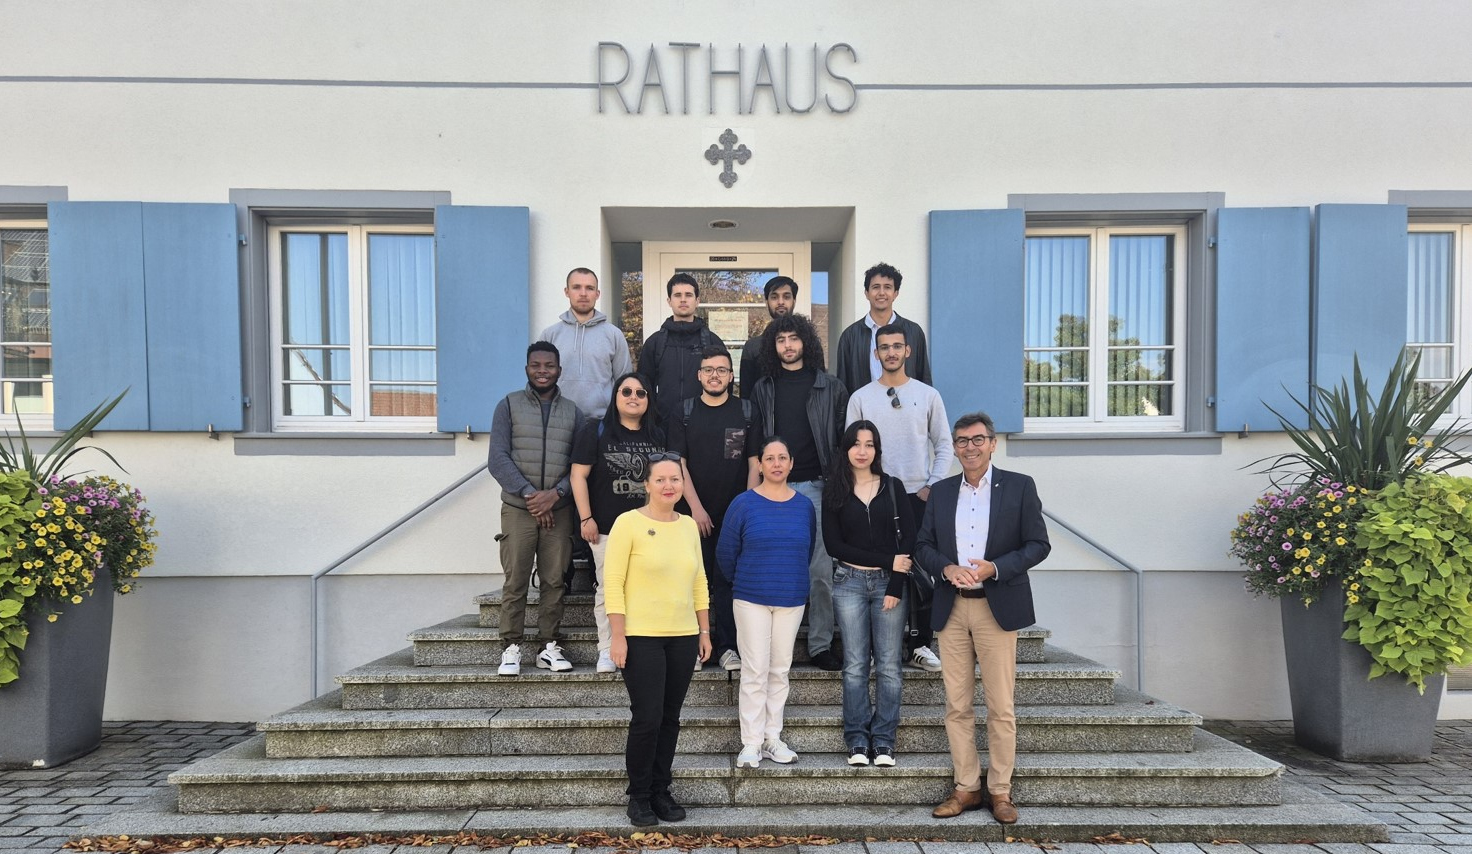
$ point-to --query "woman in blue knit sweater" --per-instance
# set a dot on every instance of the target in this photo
(766, 542)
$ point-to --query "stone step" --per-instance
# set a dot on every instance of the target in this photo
(321, 728)
(1303, 814)
(577, 609)
(396, 682)
(244, 779)
(463, 640)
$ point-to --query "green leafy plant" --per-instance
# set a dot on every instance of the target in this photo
(17, 454)
(1409, 600)
(1355, 436)
(18, 506)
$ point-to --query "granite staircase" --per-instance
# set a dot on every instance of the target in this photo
(434, 727)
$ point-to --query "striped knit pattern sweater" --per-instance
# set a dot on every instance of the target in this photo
(765, 548)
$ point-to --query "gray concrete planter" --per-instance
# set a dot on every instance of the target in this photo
(1337, 709)
(53, 713)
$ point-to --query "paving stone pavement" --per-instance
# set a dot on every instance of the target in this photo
(1428, 806)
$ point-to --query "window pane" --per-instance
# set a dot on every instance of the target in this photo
(25, 278)
(28, 361)
(1139, 289)
(320, 400)
(1057, 402)
(303, 363)
(402, 400)
(401, 289)
(402, 365)
(26, 398)
(1057, 296)
(1429, 277)
(1133, 400)
(314, 296)
(1139, 364)
(1046, 366)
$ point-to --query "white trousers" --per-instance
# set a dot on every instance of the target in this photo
(600, 608)
(765, 636)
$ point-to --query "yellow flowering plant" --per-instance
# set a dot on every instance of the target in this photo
(1294, 541)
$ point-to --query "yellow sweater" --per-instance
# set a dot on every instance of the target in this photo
(654, 575)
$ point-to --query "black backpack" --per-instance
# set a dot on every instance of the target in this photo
(748, 412)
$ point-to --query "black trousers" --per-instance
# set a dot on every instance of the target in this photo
(922, 634)
(657, 675)
(723, 619)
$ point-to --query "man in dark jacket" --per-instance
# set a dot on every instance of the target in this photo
(781, 296)
(856, 363)
(670, 358)
(804, 405)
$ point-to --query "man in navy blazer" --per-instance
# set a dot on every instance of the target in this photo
(983, 530)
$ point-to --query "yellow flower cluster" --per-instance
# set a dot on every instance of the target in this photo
(1322, 548)
(58, 553)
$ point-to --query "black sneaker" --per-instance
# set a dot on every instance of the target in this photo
(826, 660)
(640, 815)
(665, 807)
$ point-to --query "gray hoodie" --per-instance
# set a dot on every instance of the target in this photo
(593, 355)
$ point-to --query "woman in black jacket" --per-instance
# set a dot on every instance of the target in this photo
(869, 528)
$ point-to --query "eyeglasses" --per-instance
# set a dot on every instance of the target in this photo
(894, 398)
(974, 441)
(891, 348)
(719, 372)
(664, 457)
(627, 391)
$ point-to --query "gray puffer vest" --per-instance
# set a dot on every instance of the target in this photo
(542, 453)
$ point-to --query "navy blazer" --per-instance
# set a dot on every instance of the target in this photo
(1017, 540)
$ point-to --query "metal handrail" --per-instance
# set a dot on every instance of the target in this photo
(1139, 592)
(358, 549)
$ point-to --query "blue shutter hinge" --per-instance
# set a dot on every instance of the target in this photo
(1211, 401)
(1210, 242)
(241, 238)
(245, 401)
(212, 433)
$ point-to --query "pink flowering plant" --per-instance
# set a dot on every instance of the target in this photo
(1293, 541)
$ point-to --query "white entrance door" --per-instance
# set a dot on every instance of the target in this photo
(731, 277)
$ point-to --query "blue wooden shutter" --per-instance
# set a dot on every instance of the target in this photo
(191, 275)
(98, 324)
(1262, 317)
(482, 309)
(1359, 290)
(976, 301)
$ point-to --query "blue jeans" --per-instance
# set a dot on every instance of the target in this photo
(858, 599)
(820, 576)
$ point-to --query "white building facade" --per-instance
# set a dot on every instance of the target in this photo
(315, 239)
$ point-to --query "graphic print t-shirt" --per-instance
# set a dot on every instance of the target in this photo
(715, 445)
(619, 459)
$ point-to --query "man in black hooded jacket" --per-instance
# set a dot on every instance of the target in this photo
(670, 358)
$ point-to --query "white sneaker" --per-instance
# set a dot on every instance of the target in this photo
(858, 756)
(551, 659)
(749, 757)
(511, 661)
(884, 759)
(730, 660)
(924, 659)
(605, 662)
(777, 751)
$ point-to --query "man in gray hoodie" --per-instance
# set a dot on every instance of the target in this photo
(594, 351)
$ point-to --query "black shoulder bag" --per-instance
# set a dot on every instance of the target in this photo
(919, 586)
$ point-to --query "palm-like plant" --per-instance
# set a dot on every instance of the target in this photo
(16, 453)
(1371, 440)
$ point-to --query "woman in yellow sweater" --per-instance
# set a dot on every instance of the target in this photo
(659, 613)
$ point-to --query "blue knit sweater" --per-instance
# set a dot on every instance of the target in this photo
(765, 547)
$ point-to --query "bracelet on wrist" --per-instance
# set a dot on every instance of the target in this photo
(704, 632)
(589, 519)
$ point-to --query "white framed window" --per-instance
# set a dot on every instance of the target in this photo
(25, 323)
(352, 327)
(1105, 315)
(1434, 265)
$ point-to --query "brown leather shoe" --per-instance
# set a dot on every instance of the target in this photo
(957, 803)
(1002, 808)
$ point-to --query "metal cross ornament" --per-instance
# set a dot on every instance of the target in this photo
(727, 152)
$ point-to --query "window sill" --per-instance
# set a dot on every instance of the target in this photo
(343, 444)
(1121, 444)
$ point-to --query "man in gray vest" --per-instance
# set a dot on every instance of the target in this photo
(531, 457)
